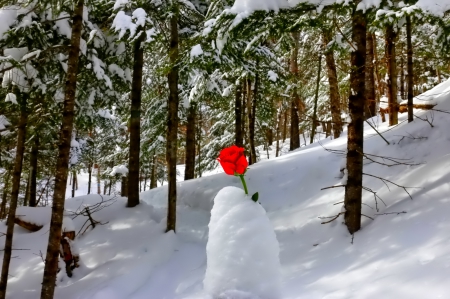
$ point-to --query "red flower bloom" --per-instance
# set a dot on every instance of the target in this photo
(232, 160)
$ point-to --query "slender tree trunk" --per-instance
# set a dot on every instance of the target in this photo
(252, 120)
(295, 103)
(279, 119)
(153, 181)
(172, 122)
(402, 76)
(377, 69)
(74, 180)
(189, 172)
(20, 149)
(124, 187)
(335, 101)
(285, 121)
(239, 138)
(99, 190)
(5, 194)
(135, 122)
(244, 118)
(294, 131)
(145, 181)
(410, 76)
(33, 171)
(314, 120)
(353, 188)
(27, 191)
(89, 178)
(62, 164)
(371, 104)
(391, 37)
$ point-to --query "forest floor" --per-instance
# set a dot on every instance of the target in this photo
(403, 253)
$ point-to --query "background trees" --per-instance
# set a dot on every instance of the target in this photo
(136, 88)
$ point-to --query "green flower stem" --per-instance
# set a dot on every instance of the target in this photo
(243, 183)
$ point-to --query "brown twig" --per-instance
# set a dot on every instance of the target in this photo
(398, 213)
(385, 181)
(332, 218)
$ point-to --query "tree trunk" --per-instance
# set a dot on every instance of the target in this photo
(295, 134)
(379, 87)
(239, 138)
(285, 121)
(62, 164)
(124, 187)
(410, 76)
(172, 122)
(252, 120)
(5, 194)
(74, 181)
(353, 188)
(371, 104)
(335, 101)
(402, 76)
(89, 178)
(189, 172)
(294, 131)
(135, 121)
(314, 120)
(145, 181)
(391, 36)
(153, 181)
(279, 119)
(99, 190)
(18, 161)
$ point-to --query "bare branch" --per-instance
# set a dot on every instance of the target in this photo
(332, 218)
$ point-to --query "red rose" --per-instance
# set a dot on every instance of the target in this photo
(233, 160)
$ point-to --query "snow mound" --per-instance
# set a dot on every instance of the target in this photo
(242, 250)
(38, 216)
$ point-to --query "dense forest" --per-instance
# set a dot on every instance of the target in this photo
(127, 90)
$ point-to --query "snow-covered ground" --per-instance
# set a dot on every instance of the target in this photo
(404, 253)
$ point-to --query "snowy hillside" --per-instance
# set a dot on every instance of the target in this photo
(403, 253)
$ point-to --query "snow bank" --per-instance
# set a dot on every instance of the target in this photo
(242, 250)
(431, 96)
(68, 225)
(38, 215)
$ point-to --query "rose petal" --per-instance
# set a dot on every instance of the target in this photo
(228, 167)
(241, 165)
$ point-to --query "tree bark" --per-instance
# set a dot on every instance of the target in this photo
(18, 161)
(371, 104)
(74, 182)
(124, 187)
(285, 121)
(391, 36)
(295, 134)
(279, 119)
(252, 120)
(62, 164)
(335, 101)
(189, 172)
(135, 121)
(314, 120)
(5, 194)
(153, 181)
(172, 122)
(410, 76)
(89, 178)
(379, 87)
(99, 190)
(239, 138)
(33, 171)
(353, 188)
(402, 76)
